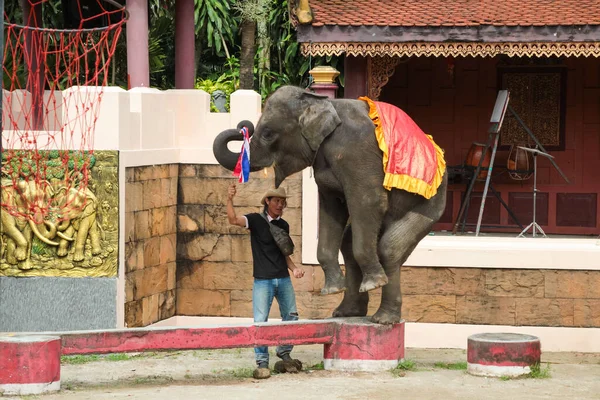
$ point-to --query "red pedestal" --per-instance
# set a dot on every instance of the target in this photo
(29, 364)
(502, 354)
(327, 89)
(359, 345)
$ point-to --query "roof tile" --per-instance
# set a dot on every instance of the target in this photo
(458, 13)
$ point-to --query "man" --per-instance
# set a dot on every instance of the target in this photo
(271, 276)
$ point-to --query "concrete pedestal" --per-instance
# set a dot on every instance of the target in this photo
(502, 354)
(29, 364)
(360, 345)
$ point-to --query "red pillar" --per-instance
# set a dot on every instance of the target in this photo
(185, 60)
(356, 77)
(138, 68)
(324, 81)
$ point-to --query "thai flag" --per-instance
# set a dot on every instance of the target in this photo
(242, 168)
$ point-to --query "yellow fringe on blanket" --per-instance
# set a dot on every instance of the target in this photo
(403, 181)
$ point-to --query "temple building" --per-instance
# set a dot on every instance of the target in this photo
(444, 64)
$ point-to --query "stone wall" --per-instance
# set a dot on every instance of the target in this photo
(150, 243)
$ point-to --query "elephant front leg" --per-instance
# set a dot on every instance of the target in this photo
(333, 216)
(95, 237)
(63, 245)
(354, 303)
(17, 245)
(82, 234)
(366, 213)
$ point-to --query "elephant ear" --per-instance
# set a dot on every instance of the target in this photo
(318, 119)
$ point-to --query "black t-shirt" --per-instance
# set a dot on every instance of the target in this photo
(269, 261)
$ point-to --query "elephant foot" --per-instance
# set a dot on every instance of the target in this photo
(61, 252)
(373, 281)
(355, 306)
(21, 253)
(96, 251)
(386, 317)
(78, 255)
(334, 283)
(25, 265)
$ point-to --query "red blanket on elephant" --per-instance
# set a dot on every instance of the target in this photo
(411, 159)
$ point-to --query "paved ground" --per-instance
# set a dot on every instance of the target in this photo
(226, 374)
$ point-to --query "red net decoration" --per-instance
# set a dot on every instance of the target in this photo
(53, 84)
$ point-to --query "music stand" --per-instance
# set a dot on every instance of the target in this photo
(534, 224)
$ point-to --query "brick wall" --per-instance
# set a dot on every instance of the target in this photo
(150, 243)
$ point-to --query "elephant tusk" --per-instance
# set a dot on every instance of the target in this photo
(40, 236)
(62, 235)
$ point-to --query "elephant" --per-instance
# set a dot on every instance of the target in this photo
(376, 229)
(78, 212)
(21, 216)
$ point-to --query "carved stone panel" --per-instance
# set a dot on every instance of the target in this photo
(77, 232)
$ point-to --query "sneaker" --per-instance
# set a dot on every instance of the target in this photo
(262, 372)
(288, 364)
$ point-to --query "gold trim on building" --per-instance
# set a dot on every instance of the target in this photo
(455, 49)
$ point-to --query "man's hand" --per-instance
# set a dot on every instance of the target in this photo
(231, 192)
(298, 273)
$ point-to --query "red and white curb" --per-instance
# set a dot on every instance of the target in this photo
(31, 364)
(365, 346)
(502, 354)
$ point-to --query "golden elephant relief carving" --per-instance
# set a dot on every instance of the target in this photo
(54, 228)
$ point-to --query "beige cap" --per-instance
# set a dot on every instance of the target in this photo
(280, 192)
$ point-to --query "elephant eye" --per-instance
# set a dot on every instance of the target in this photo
(267, 134)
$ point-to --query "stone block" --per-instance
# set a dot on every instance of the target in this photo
(149, 281)
(133, 314)
(586, 313)
(129, 175)
(131, 256)
(429, 308)
(454, 281)
(142, 224)
(485, 310)
(143, 173)
(168, 247)
(190, 218)
(173, 170)
(169, 191)
(414, 280)
(207, 170)
(374, 301)
(44, 304)
(146, 312)
(203, 302)
(151, 252)
(293, 188)
(129, 286)
(318, 278)
(134, 196)
(203, 190)
(514, 283)
(225, 275)
(572, 284)
(190, 275)
(304, 284)
(208, 247)
(297, 256)
(166, 305)
(129, 227)
(215, 219)
(241, 250)
(544, 312)
(187, 170)
(171, 276)
(313, 305)
(153, 196)
(158, 221)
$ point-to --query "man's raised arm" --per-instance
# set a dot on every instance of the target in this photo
(234, 219)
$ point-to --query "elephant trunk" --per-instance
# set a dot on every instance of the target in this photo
(50, 234)
(227, 158)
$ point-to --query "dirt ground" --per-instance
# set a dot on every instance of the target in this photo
(226, 374)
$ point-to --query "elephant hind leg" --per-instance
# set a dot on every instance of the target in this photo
(354, 303)
(397, 243)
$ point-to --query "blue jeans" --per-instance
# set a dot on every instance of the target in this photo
(263, 292)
